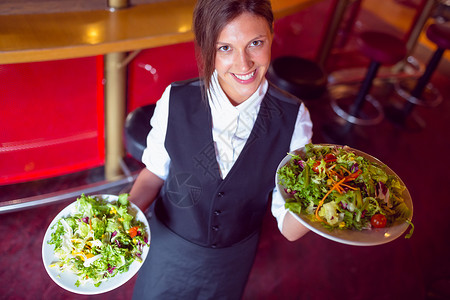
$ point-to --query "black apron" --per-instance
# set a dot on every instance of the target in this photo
(178, 269)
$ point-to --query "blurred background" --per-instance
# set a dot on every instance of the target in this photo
(53, 138)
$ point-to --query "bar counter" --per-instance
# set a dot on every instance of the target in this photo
(42, 37)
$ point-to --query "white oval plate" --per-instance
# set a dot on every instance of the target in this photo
(376, 236)
(67, 279)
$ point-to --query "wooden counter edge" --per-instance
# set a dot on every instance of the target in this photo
(281, 9)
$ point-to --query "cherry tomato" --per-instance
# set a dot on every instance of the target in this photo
(378, 221)
(315, 166)
(329, 157)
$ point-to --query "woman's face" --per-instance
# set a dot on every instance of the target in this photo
(243, 56)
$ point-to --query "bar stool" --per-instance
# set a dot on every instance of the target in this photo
(137, 127)
(305, 78)
(421, 92)
(380, 48)
(299, 76)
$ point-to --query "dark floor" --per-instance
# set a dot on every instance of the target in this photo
(313, 267)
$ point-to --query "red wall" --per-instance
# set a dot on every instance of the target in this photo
(51, 113)
(51, 118)
(154, 69)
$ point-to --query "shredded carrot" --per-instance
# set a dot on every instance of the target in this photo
(337, 186)
(339, 189)
(326, 195)
(333, 172)
(350, 187)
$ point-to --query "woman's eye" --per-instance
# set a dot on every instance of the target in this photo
(224, 48)
(256, 43)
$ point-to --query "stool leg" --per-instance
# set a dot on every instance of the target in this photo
(424, 79)
(365, 88)
(407, 109)
(342, 134)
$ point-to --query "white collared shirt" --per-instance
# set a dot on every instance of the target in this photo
(232, 126)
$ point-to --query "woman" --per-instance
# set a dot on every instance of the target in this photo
(211, 159)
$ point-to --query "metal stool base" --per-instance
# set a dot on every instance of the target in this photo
(370, 114)
(431, 97)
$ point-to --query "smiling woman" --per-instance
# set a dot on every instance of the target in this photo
(231, 122)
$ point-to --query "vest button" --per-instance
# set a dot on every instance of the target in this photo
(220, 194)
(215, 228)
(217, 212)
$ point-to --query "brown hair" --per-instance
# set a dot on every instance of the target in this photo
(210, 17)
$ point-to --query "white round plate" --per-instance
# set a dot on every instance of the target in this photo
(67, 279)
(376, 236)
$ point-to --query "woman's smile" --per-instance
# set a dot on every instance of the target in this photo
(246, 78)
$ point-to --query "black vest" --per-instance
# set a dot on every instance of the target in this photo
(195, 202)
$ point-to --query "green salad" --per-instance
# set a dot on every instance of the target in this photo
(332, 185)
(99, 240)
